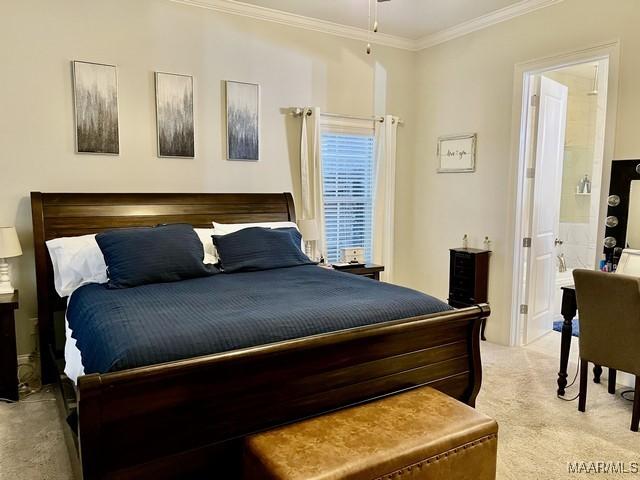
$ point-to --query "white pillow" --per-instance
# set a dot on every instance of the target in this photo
(76, 261)
(210, 254)
(227, 228)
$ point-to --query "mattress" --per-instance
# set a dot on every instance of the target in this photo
(117, 329)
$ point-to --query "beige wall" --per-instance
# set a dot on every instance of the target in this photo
(466, 85)
(295, 67)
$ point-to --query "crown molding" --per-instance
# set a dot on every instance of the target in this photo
(291, 19)
(507, 13)
(236, 7)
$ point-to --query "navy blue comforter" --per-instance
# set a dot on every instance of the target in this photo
(145, 325)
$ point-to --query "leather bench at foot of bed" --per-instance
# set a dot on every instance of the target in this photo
(420, 434)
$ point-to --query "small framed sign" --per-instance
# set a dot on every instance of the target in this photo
(457, 153)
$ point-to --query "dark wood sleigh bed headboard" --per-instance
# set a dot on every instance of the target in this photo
(70, 214)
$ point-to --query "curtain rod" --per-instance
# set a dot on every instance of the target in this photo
(297, 112)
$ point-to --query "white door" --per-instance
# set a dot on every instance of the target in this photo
(549, 155)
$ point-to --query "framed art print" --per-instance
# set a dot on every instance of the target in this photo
(457, 153)
(243, 121)
(95, 94)
(174, 115)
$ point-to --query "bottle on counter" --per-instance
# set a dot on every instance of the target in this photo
(585, 185)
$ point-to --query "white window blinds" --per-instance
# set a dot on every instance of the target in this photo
(348, 168)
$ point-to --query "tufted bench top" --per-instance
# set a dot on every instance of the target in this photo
(419, 434)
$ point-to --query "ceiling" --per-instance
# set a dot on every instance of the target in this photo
(412, 19)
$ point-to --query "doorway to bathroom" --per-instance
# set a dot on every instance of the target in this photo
(581, 178)
(563, 140)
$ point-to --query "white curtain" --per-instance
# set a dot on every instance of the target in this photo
(385, 194)
(311, 176)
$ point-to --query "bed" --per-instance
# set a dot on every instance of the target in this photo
(188, 414)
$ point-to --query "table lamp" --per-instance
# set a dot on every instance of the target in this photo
(9, 247)
(309, 231)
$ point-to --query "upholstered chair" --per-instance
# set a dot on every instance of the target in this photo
(609, 306)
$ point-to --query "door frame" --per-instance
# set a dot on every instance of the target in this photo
(520, 189)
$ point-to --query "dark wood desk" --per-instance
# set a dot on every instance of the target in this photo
(569, 311)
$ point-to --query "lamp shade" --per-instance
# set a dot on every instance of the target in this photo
(9, 243)
(308, 229)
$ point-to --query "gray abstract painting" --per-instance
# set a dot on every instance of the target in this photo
(96, 107)
(243, 121)
(174, 114)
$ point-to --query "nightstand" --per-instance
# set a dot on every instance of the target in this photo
(8, 354)
(369, 270)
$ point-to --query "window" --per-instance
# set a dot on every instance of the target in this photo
(348, 178)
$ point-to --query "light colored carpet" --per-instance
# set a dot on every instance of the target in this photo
(539, 434)
(32, 445)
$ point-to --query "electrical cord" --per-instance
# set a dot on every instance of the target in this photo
(29, 376)
(25, 380)
(626, 392)
(27, 395)
(622, 394)
(575, 377)
(15, 402)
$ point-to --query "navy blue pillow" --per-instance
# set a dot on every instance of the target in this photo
(258, 248)
(166, 253)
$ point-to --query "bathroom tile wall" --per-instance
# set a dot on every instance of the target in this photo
(579, 246)
(579, 145)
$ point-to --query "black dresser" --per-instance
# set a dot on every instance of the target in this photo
(468, 278)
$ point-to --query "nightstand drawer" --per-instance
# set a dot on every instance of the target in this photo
(464, 270)
(462, 283)
(463, 259)
(462, 295)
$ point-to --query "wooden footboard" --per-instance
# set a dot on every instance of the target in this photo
(171, 420)
(189, 417)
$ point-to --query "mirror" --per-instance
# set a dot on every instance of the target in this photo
(633, 224)
(622, 223)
